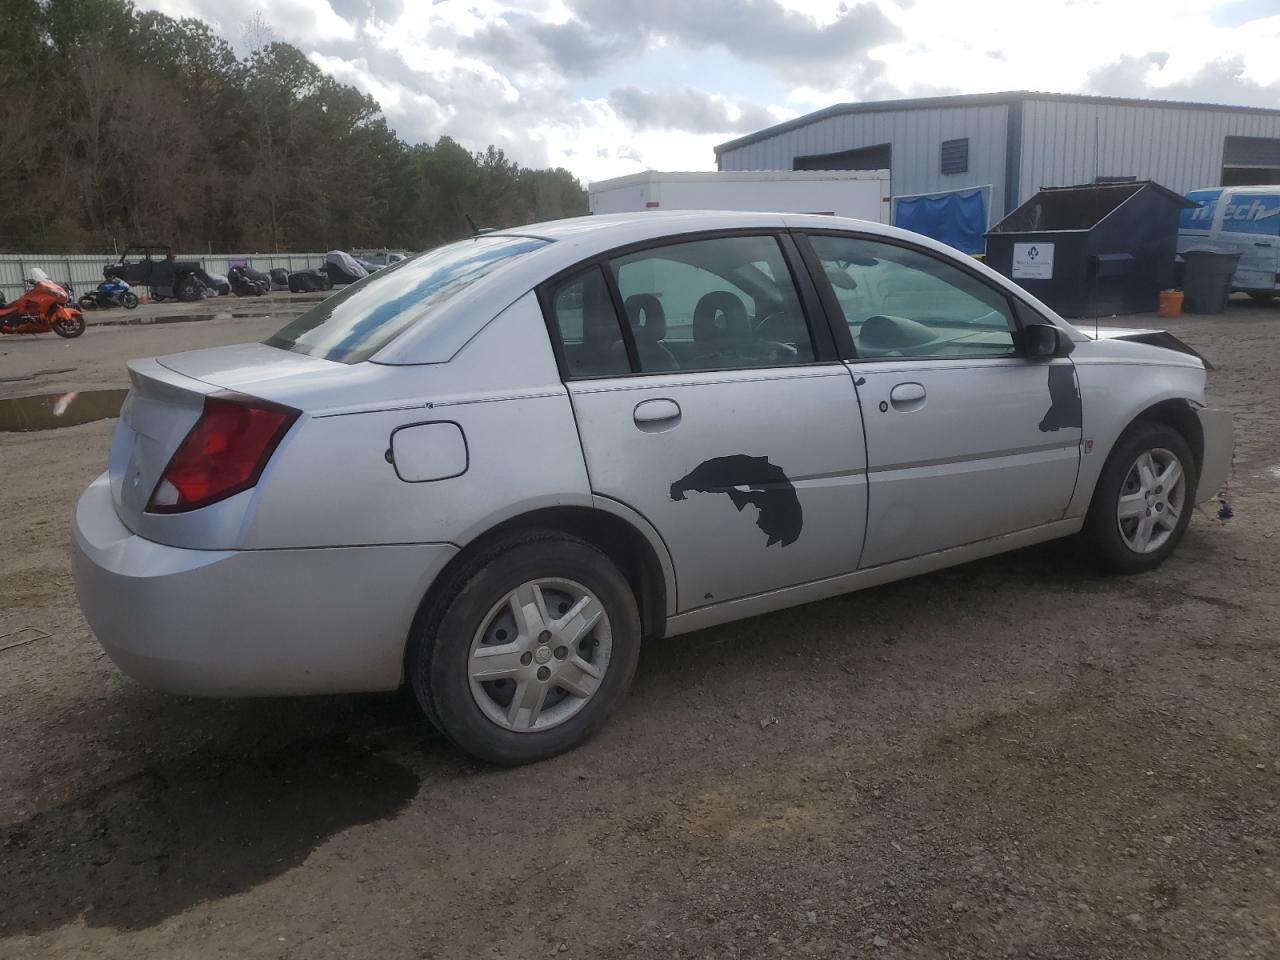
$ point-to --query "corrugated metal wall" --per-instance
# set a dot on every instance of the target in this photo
(84, 273)
(916, 136)
(1066, 143)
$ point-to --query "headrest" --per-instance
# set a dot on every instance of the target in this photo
(648, 319)
(720, 316)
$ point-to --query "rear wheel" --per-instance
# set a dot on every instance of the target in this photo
(88, 302)
(531, 649)
(1143, 501)
(188, 289)
(69, 326)
(1263, 296)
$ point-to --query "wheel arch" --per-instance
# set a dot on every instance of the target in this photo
(606, 525)
(1180, 414)
(1176, 412)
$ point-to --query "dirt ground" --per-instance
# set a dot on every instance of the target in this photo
(1016, 758)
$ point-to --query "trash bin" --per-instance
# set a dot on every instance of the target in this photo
(1092, 249)
(1206, 279)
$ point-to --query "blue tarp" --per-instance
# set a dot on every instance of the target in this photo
(958, 218)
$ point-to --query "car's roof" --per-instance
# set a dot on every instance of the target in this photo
(579, 239)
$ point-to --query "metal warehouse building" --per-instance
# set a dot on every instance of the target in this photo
(1019, 142)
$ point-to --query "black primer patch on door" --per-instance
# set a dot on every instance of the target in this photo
(1064, 399)
(767, 488)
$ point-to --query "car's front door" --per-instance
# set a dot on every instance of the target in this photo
(714, 413)
(965, 438)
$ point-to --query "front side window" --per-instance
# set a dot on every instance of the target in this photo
(354, 325)
(899, 302)
(721, 303)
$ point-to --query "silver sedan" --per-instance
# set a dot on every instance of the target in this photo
(491, 469)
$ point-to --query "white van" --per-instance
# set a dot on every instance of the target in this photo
(1238, 219)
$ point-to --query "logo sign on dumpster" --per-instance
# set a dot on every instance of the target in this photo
(1033, 261)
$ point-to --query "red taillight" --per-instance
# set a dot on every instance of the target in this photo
(224, 453)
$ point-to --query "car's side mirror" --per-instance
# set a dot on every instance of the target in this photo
(1043, 341)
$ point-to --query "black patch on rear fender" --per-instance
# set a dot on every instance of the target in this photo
(768, 488)
(1064, 399)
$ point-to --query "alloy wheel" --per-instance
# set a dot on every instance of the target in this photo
(1152, 500)
(540, 655)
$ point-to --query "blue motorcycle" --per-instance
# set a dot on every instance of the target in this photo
(111, 292)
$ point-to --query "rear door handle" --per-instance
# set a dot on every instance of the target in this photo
(657, 414)
(907, 396)
(1262, 243)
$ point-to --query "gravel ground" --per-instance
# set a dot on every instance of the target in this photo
(1016, 758)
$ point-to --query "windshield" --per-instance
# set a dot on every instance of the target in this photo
(355, 324)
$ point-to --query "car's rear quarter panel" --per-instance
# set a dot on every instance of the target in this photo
(332, 484)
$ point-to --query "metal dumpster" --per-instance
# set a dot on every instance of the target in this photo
(1093, 249)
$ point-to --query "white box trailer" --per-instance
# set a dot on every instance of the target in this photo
(863, 194)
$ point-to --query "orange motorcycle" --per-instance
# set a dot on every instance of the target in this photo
(45, 306)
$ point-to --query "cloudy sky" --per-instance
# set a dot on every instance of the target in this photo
(607, 87)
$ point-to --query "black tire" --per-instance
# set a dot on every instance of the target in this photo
(188, 289)
(88, 302)
(71, 328)
(130, 300)
(1102, 534)
(440, 647)
(1263, 296)
(326, 282)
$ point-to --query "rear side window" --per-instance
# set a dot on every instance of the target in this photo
(589, 331)
(716, 304)
(354, 325)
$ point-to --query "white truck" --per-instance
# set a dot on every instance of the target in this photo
(861, 194)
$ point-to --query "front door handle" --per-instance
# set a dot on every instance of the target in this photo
(657, 414)
(907, 396)
(1262, 243)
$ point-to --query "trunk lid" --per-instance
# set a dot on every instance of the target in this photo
(166, 399)
(161, 408)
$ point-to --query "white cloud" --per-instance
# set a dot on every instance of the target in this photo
(590, 84)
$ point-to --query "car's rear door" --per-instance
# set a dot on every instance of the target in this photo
(966, 439)
(714, 411)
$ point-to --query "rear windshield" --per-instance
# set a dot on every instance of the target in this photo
(358, 322)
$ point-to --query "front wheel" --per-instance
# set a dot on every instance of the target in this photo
(129, 299)
(531, 649)
(1263, 296)
(70, 325)
(1143, 501)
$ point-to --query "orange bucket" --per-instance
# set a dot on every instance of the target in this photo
(1170, 303)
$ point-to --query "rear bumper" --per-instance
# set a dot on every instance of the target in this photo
(231, 623)
(1219, 444)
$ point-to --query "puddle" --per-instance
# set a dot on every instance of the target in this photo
(49, 411)
(138, 851)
